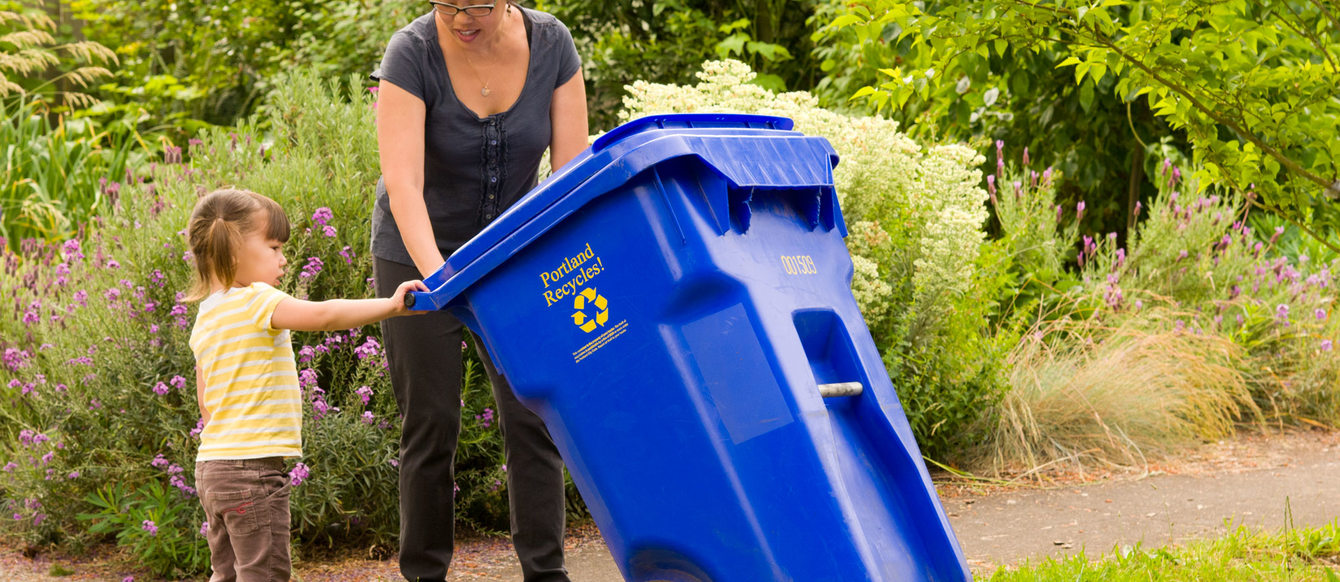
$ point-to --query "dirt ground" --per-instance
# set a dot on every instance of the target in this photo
(1262, 481)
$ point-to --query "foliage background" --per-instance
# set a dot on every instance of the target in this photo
(1028, 217)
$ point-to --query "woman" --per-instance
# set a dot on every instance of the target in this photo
(470, 96)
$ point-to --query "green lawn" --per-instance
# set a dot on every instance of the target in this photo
(1292, 555)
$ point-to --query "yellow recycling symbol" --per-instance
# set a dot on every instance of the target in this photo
(579, 303)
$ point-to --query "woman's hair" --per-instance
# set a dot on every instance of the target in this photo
(220, 221)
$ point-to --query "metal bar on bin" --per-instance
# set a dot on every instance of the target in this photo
(840, 389)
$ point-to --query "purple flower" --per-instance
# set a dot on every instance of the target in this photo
(320, 407)
(1279, 230)
(161, 389)
(368, 418)
(74, 475)
(1325, 345)
(1182, 255)
(177, 382)
(299, 474)
(1138, 206)
(9, 467)
(307, 377)
(1282, 312)
(369, 349)
(313, 266)
(149, 526)
(1025, 155)
(160, 462)
(322, 215)
(1079, 210)
(204, 528)
(16, 359)
(364, 393)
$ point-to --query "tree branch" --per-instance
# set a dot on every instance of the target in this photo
(1322, 7)
(1287, 162)
(1307, 33)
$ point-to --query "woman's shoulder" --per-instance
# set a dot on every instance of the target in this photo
(420, 29)
(548, 24)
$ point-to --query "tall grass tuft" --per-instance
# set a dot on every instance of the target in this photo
(1082, 392)
(55, 177)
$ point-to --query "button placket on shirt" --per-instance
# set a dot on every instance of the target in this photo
(492, 168)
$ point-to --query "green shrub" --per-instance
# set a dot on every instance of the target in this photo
(62, 176)
(158, 525)
(96, 356)
(1240, 329)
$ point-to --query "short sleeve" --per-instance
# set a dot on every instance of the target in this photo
(402, 64)
(260, 307)
(568, 60)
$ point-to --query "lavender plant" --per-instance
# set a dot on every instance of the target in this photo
(96, 359)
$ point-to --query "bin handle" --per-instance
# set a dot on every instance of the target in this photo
(840, 389)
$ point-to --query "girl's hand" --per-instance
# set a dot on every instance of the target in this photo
(398, 299)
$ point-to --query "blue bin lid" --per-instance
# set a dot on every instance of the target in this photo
(749, 151)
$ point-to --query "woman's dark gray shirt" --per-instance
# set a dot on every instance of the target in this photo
(473, 168)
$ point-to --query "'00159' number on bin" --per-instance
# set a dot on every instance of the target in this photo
(799, 265)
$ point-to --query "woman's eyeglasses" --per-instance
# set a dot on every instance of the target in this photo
(471, 10)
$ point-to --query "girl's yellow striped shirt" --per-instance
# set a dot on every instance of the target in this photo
(251, 378)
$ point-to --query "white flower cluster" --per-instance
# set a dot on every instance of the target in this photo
(928, 197)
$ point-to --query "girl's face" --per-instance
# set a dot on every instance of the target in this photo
(261, 259)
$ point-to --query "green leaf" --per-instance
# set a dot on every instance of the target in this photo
(1071, 60)
(863, 92)
(844, 21)
(1086, 95)
(731, 45)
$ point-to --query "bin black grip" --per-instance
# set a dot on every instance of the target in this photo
(409, 301)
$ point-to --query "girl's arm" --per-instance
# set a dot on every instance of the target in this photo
(200, 393)
(567, 115)
(337, 314)
(400, 122)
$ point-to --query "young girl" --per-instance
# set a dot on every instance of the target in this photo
(247, 379)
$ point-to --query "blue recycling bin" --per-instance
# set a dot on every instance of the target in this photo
(676, 305)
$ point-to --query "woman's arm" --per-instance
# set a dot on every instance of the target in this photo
(337, 314)
(567, 114)
(400, 122)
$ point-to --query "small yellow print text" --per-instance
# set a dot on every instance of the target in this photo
(799, 265)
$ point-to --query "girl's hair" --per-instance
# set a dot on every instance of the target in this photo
(220, 221)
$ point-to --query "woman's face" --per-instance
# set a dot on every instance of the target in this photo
(472, 21)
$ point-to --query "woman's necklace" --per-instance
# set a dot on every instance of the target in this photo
(484, 88)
